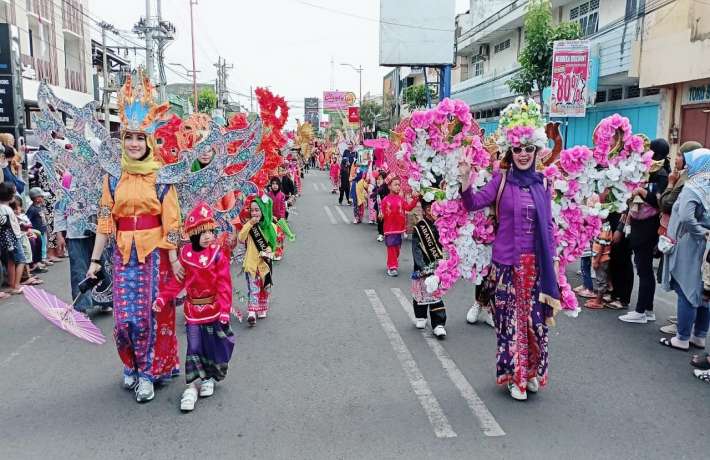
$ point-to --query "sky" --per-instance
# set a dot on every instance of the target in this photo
(286, 45)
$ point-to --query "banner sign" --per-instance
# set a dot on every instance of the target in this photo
(354, 114)
(337, 100)
(570, 75)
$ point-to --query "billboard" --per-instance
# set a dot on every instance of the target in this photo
(570, 77)
(409, 37)
(334, 101)
(311, 111)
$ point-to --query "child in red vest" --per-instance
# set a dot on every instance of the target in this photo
(393, 213)
(208, 284)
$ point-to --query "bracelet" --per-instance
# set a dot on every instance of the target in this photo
(96, 261)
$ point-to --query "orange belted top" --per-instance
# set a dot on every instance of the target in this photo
(135, 214)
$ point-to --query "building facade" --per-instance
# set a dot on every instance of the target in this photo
(55, 46)
(490, 37)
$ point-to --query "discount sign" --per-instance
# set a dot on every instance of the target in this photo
(570, 73)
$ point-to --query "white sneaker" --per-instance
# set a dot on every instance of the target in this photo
(533, 385)
(486, 316)
(129, 381)
(144, 390)
(380, 238)
(650, 316)
(439, 332)
(207, 388)
(251, 319)
(634, 317)
(670, 329)
(420, 323)
(261, 315)
(473, 312)
(516, 393)
(189, 398)
(698, 342)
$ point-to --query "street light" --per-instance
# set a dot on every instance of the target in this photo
(359, 71)
(193, 74)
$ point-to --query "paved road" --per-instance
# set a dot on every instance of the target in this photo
(338, 371)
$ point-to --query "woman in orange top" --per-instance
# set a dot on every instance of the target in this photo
(144, 219)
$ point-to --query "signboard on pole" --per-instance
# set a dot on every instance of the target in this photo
(334, 101)
(570, 78)
(354, 114)
(311, 111)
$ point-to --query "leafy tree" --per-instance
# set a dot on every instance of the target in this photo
(536, 58)
(415, 96)
(206, 100)
(369, 112)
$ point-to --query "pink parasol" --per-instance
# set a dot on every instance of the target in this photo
(379, 143)
(63, 316)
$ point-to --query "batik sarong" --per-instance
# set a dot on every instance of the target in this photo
(520, 324)
(145, 340)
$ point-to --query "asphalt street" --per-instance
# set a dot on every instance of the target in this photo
(339, 371)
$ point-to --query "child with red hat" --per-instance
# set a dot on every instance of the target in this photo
(208, 284)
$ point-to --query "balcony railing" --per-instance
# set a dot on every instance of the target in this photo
(72, 17)
(40, 8)
(75, 80)
(44, 70)
(506, 10)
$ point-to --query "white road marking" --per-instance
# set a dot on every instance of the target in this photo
(437, 418)
(331, 217)
(315, 186)
(323, 187)
(17, 351)
(488, 423)
(342, 214)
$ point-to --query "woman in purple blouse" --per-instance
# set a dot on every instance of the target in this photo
(524, 266)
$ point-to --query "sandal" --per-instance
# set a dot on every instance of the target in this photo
(32, 282)
(614, 305)
(665, 341)
(701, 362)
(593, 305)
(17, 291)
(4, 295)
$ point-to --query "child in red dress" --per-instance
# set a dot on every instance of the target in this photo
(393, 214)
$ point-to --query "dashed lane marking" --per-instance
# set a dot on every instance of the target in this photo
(331, 217)
(487, 422)
(342, 214)
(432, 408)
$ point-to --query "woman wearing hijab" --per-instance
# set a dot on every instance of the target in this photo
(644, 219)
(527, 294)
(144, 219)
(688, 230)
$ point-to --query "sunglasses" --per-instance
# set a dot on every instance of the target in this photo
(527, 149)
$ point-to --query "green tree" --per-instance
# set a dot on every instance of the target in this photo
(206, 100)
(415, 96)
(371, 113)
(536, 58)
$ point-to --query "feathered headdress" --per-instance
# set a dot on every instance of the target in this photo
(137, 108)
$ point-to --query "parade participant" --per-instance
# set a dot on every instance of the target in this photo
(144, 219)
(359, 197)
(526, 292)
(203, 160)
(279, 212)
(378, 194)
(334, 174)
(260, 237)
(426, 252)
(288, 188)
(393, 215)
(208, 284)
(345, 164)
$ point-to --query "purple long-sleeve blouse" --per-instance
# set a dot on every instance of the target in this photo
(511, 240)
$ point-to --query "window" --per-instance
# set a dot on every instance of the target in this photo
(616, 94)
(601, 96)
(587, 14)
(651, 91)
(632, 91)
(477, 65)
(504, 45)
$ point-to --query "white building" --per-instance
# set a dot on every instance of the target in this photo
(490, 37)
(55, 45)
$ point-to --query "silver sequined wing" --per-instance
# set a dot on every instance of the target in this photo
(93, 152)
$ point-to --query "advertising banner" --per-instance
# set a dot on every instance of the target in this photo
(354, 114)
(570, 75)
(334, 101)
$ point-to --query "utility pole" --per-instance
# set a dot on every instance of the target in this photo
(222, 68)
(251, 99)
(164, 35)
(218, 83)
(194, 69)
(149, 56)
(108, 89)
